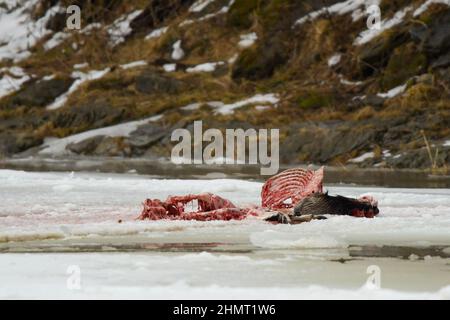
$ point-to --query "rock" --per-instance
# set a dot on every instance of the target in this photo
(11, 143)
(373, 100)
(57, 22)
(404, 63)
(419, 159)
(376, 53)
(146, 135)
(151, 82)
(85, 147)
(113, 147)
(437, 39)
(325, 141)
(39, 93)
(259, 62)
(441, 62)
(94, 114)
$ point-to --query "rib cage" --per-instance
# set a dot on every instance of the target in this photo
(294, 184)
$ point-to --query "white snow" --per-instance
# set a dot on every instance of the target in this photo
(369, 34)
(177, 53)
(49, 77)
(90, 27)
(81, 79)
(156, 33)
(348, 82)
(233, 58)
(170, 67)
(334, 59)
(120, 28)
(134, 64)
(446, 143)
(340, 8)
(363, 157)
(57, 147)
(205, 67)
(259, 98)
(12, 80)
(192, 106)
(247, 40)
(393, 92)
(424, 7)
(199, 5)
(81, 65)
(56, 40)
(208, 16)
(19, 32)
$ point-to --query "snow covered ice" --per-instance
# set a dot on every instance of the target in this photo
(67, 219)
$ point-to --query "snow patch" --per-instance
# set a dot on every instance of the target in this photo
(369, 34)
(12, 80)
(334, 60)
(134, 64)
(56, 40)
(199, 5)
(259, 98)
(205, 67)
(19, 32)
(156, 33)
(247, 40)
(170, 67)
(340, 8)
(363, 157)
(81, 79)
(177, 53)
(223, 10)
(424, 7)
(58, 146)
(81, 65)
(120, 28)
(393, 92)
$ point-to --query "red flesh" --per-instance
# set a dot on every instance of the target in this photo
(293, 185)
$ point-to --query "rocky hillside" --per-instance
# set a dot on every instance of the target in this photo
(339, 93)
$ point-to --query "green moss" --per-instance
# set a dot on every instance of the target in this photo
(314, 100)
(240, 13)
(404, 63)
(271, 13)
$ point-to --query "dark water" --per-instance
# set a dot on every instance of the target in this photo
(166, 169)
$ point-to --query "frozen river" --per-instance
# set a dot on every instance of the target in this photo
(58, 228)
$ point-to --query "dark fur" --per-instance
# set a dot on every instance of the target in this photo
(321, 204)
